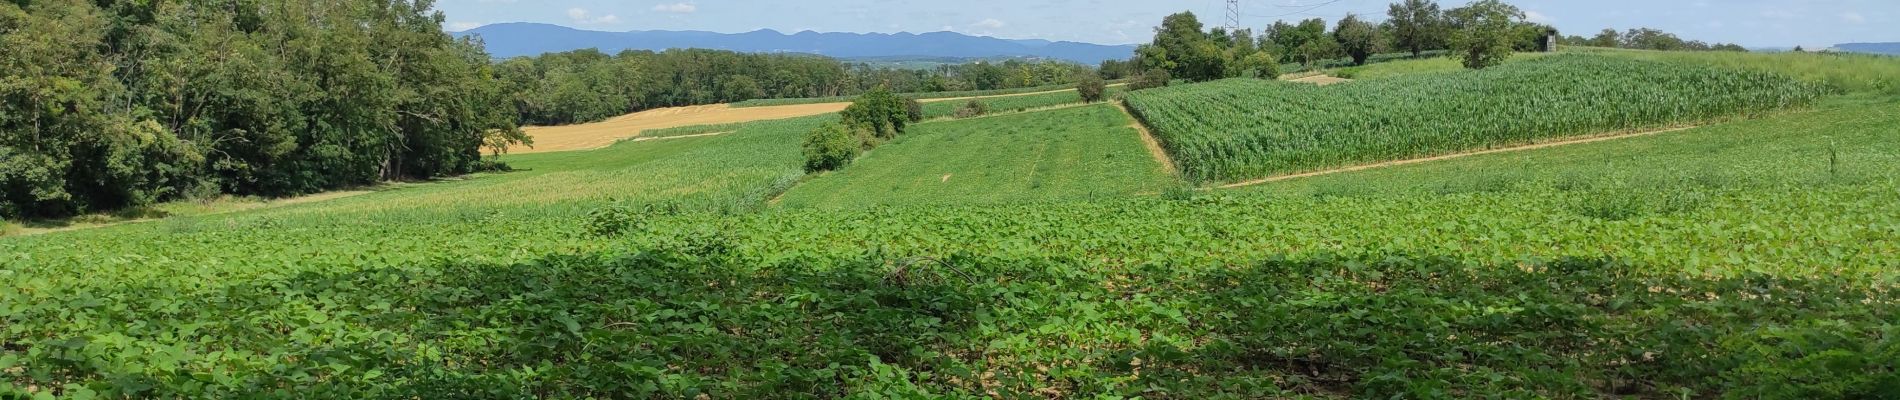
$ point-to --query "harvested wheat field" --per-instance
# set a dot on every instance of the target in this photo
(601, 134)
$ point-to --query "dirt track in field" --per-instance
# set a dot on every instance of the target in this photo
(1148, 140)
(1322, 80)
(1592, 139)
(605, 133)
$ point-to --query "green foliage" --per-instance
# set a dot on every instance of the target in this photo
(1151, 79)
(1091, 87)
(831, 146)
(1305, 43)
(1357, 38)
(1242, 129)
(1478, 291)
(913, 110)
(1417, 26)
(621, 218)
(1183, 49)
(1022, 103)
(880, 112)
(1075, 153)
(111, 105)
(971, 109)
(1482, 34)
(1261, 65)
(909, 95)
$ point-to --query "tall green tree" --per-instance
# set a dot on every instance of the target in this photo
(1184, 50)
(1483, 32)
(1417, 25)
(1357, 38)
(1607, 38)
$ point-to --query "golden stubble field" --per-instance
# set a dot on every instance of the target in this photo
(605, 133)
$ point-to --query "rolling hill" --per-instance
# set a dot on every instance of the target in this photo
(528, 39)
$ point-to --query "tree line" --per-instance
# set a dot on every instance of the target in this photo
(588, 85)
(1647, 39)
(1480, 34)
(107, 105)
(113, 104)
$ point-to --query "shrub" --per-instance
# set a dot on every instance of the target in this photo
(831, 146)
(972, 109)
(914, 109)
(1153, 78)
(1091, 87)
(881, 111)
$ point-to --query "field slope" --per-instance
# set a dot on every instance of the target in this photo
(1075, 153)
(1749, 259)
(1241, 129)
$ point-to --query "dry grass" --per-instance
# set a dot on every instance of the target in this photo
(605, 133)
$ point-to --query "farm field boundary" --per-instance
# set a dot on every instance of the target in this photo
(591, 136)
(1148, 140)
(1591, 139)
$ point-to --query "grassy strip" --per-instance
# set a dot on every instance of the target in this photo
(915, 96)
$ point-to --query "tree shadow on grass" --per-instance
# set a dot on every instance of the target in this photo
(698, 318)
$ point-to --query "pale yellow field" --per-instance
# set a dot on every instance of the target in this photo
(605, 133)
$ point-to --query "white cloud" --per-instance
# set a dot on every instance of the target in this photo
(463, 26)
(677, 8)
(584, 17)
(1854, 18)
(990, 23)
(1538, 17)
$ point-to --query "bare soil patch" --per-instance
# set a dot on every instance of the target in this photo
(605, 133)
(1322, 80)
(602, 134)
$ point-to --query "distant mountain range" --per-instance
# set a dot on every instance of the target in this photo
(1875, 48)
(529, 39)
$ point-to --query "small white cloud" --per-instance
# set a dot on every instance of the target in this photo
(1538, 17)
(1854, 18)
(584, 17)
(463, 26)
(990, 23)
(677, 8)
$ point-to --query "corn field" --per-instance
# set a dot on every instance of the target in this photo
(1240, 129)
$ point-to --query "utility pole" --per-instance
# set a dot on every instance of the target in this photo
(1233, 15)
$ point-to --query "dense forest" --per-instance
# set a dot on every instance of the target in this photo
(110, 104)
(588, 85)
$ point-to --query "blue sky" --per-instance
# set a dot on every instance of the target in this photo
(1814, 23)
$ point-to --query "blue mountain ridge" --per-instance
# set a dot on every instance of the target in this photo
(528, 39)
(1874, 48)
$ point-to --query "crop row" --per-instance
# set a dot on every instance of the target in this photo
(1241, 129)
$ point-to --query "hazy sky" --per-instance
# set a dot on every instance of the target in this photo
(1813, 23)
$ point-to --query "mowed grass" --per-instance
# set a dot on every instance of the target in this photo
(1014, 104)
(1077, 153)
